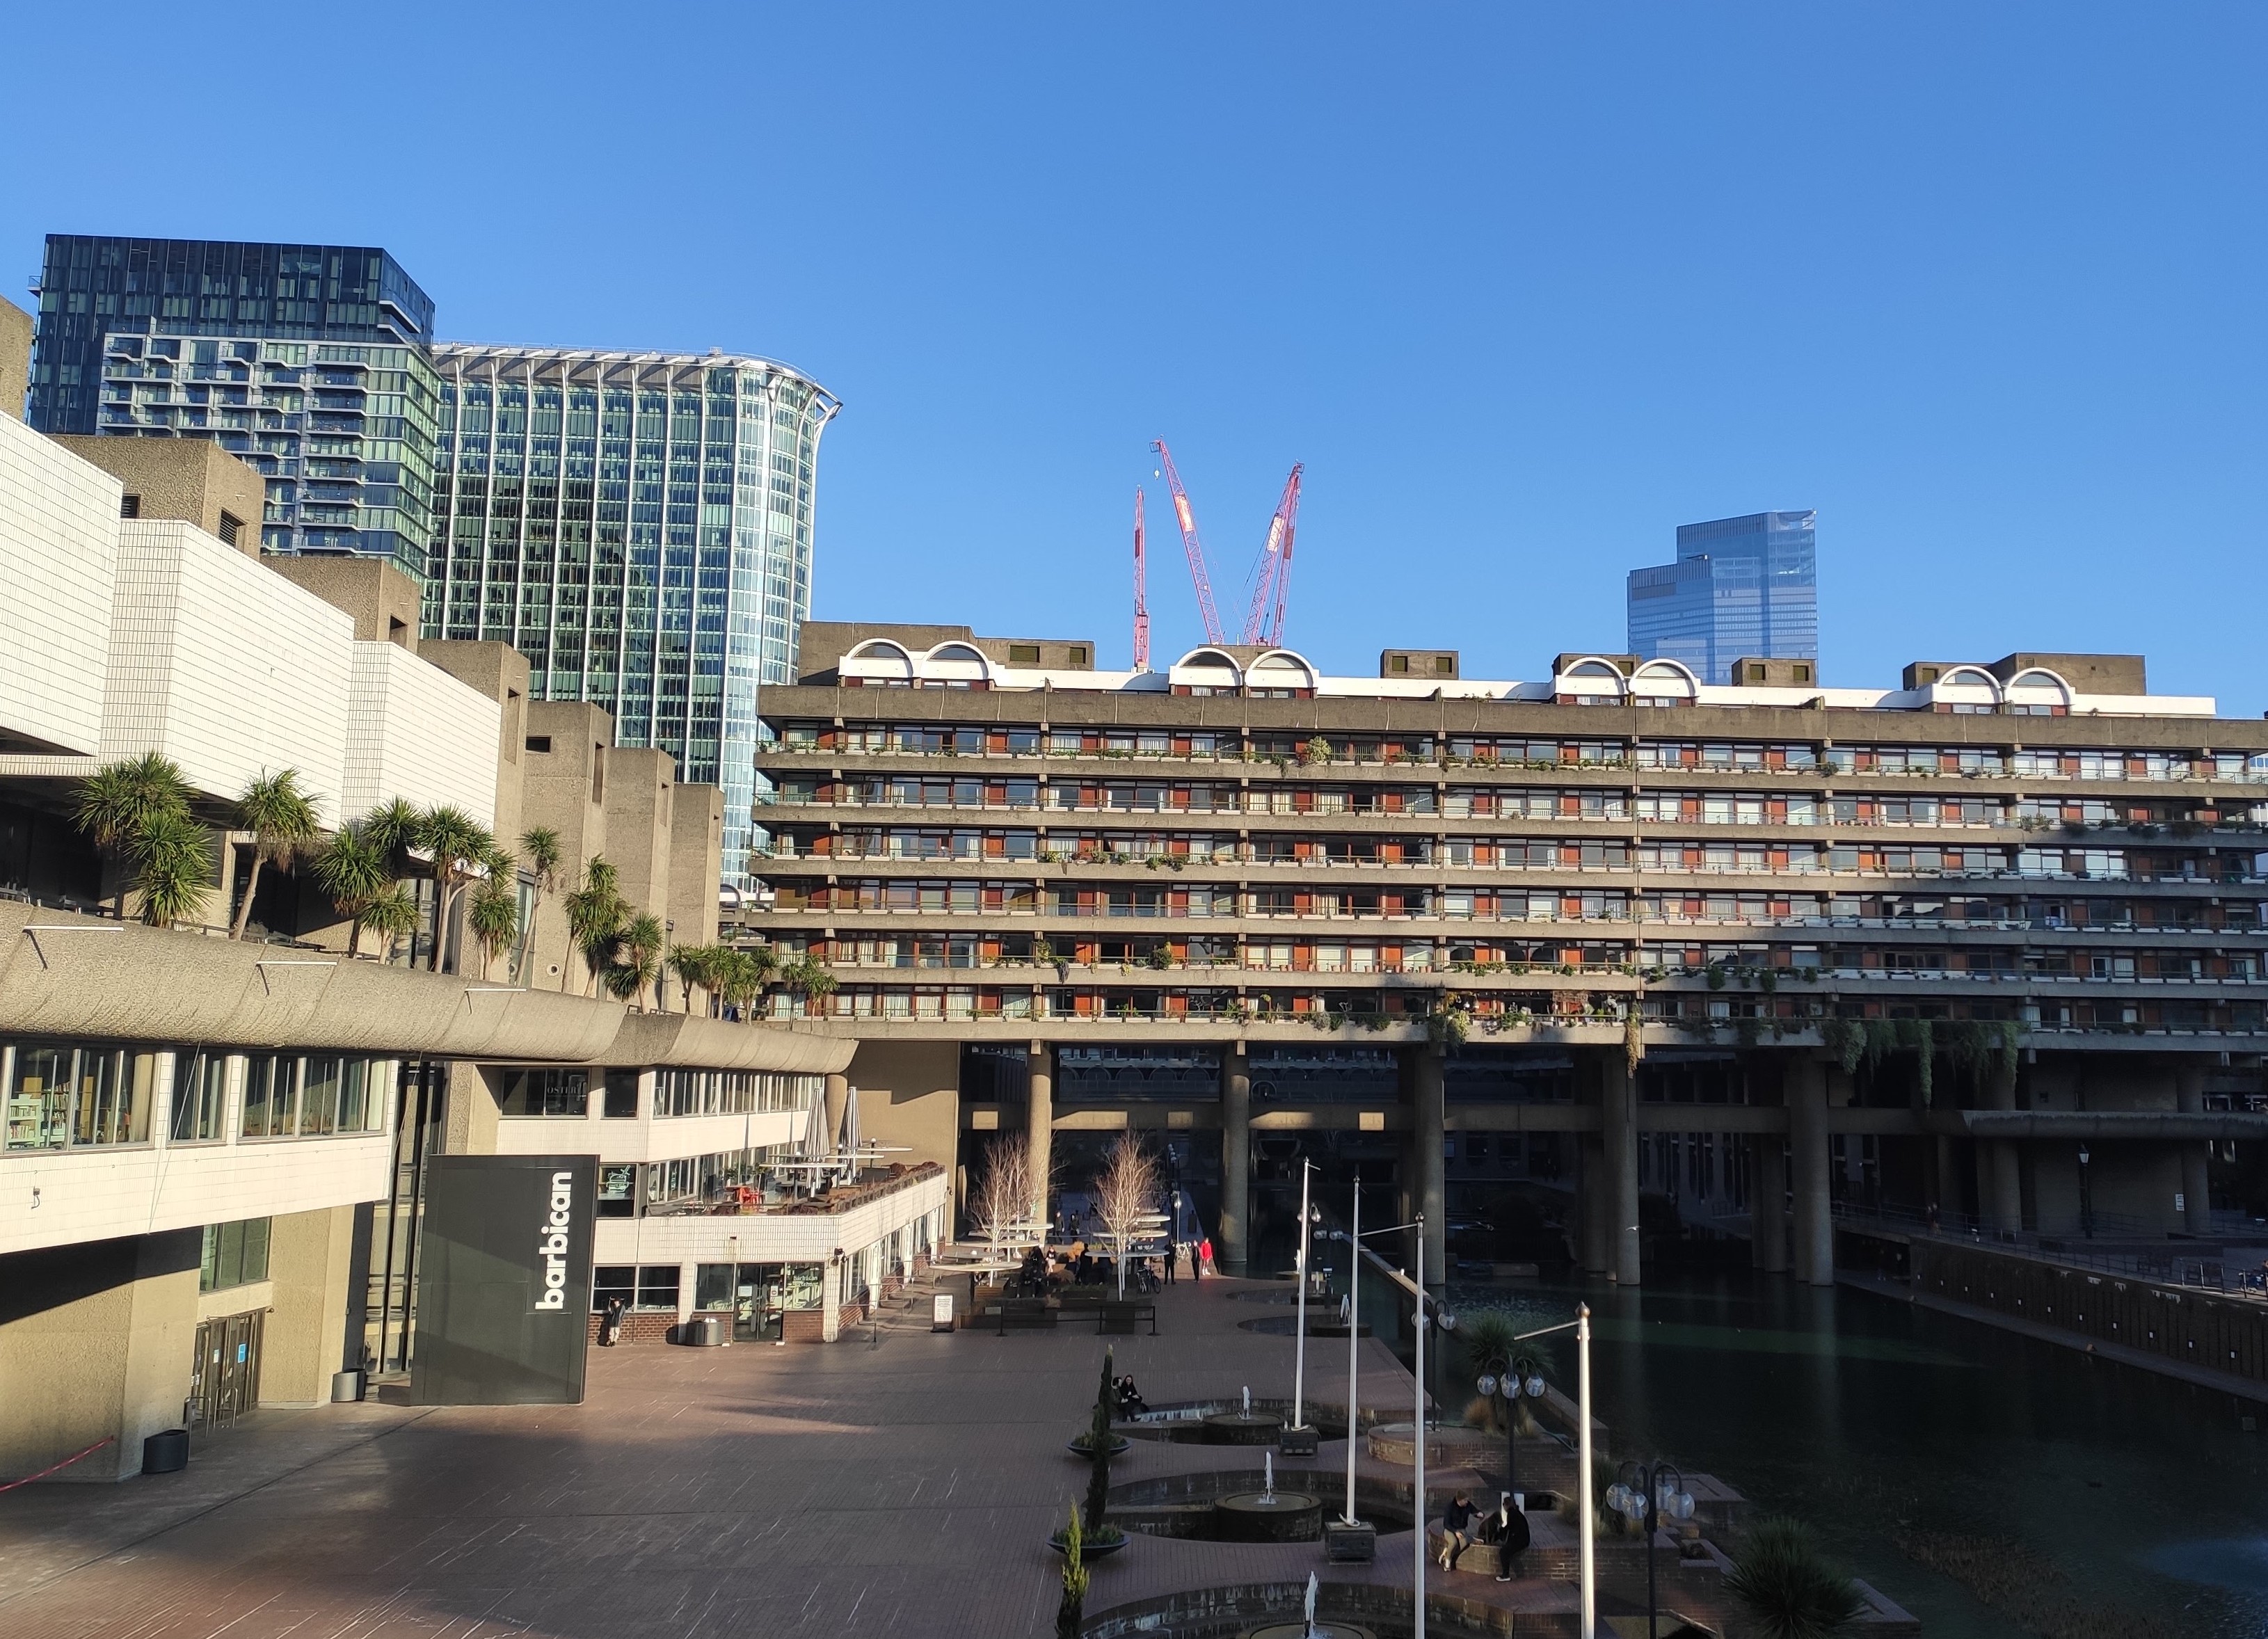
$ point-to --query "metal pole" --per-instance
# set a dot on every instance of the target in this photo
(1652, 1524)
(1354, 1332)
(1587, 1569)
(1417, 1427)
(1299, 1363)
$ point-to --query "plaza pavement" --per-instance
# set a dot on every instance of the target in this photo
(904, 1486)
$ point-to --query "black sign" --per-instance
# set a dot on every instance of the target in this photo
(504, 1298)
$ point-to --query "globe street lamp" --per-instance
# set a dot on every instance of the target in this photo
(1512, 1381)
(2086, 1196)
(1659, 1492)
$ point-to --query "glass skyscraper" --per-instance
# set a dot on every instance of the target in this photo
(1740, 587)
(309, 362)
(637, 525)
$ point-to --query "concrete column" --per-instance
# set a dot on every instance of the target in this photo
(1040, 1123)
(838, 1104)
(1768, 1205)
(830, 1300)
(1235, 1159)
(2197, 1199)
(1428, 1133)
(1594, 1207)
(2000, 1172)
(1815, 1215)
(468, 1111)
(310, 1262)
(1618, 1112)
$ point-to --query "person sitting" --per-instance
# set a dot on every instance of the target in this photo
(1511, 1534)
(1130, 1402)
(1456, 1529)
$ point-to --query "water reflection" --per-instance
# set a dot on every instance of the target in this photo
(1989, 1483)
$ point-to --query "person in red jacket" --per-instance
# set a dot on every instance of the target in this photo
(1205, 1258)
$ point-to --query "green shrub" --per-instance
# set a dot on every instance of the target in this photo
(1787, 1585)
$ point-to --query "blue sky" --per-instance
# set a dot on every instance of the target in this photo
(1524, 287)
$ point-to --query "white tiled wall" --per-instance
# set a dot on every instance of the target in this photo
(415, 731)
(58, 551)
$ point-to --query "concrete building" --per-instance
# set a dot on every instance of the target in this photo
(213, 1150)
(1660, 950)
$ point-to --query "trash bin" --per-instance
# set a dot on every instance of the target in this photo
(705, 1331)
(347, 1386)
(166, 1453)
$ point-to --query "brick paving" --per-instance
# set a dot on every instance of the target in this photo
(902, 1487)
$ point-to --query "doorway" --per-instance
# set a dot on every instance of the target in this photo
(225, 1381)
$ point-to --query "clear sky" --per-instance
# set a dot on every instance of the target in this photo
(1524, 287)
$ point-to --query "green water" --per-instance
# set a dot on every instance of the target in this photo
(2109, 1501)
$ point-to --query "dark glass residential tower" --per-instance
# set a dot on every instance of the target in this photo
(311, 362)
(639, 525)
(1740, 588)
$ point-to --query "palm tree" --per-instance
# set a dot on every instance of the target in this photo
(493, 912)
(355, 870)
(539, 846)
(809, 978)
(595, 913)
(638, 964)
(172, 856)
(392, 914)
(392, 827)
(118, 801)
(702, 965)
(282, 819)
(459, 846)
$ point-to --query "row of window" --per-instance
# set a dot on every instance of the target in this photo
(565, 1094)
(939, 739)
(79, 1094)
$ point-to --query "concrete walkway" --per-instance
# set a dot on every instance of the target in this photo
(906, 1487)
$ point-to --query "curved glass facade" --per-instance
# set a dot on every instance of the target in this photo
(639, 525)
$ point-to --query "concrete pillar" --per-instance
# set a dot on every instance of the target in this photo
(1040, 1123)
(830, 1300)
(2001, 1176)
(469, 1110)
(838, 1104)
(1815, 1215)
(2197, 1199)
(1235, 1160)
(1593, 1206)
(1768, 1205)
(310, 1263)
(1618, 1114)
(1428, 1134)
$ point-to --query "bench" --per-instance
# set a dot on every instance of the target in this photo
(1119, 1319)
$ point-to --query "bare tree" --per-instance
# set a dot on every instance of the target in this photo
(1125, 1194)
(1002, 1196)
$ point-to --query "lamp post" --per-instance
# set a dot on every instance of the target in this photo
(1299, 1363)
(2086, 1196)
(1519, 1378)
(1644, 1503)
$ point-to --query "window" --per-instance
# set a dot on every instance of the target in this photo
(62, 1092)
(545, 1092)
(1398, 665)
(621, 1095)
(657, 1287)
(610, 1281)
(235, 1254)
(617, 1192)
(199, 1095)
(712, 1286)
(1077, 652)
(271, 1097)
(1023, 654)
(129, 506)
(539, 742)
(230, 525)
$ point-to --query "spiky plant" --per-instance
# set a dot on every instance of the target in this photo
(696, 965)
(541, 851)
(172, 867)
(1098, 1445)
(392, 914)
(1072, 1613)
(119, 801)
(354, 870)
(282, 820)
(458, 847)
(1787, 1585)
(638, 961)
(493, 912)
(596, 913)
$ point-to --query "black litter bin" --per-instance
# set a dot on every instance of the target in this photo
(165, 1453)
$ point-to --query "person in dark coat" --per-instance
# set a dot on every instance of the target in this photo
(610, 1326)
(1512, 1536)
(1456, 1529)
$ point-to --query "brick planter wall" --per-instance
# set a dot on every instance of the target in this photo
(640, 1325)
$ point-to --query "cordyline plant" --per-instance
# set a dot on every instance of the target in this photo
(283, 822)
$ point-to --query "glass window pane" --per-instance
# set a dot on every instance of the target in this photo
(39, 1097)
(319, 1098)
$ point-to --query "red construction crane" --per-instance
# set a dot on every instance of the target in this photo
(1141, 599)
(1272, 577)
(1190, 544)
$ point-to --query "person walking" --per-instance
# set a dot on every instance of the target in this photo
(1172, 1256)
(1512, 1536)
(1456, 1530)
(1205, 1258)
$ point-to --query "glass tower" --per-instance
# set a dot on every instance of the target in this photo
(637, 525)
(1740, 587)
(309, 362)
